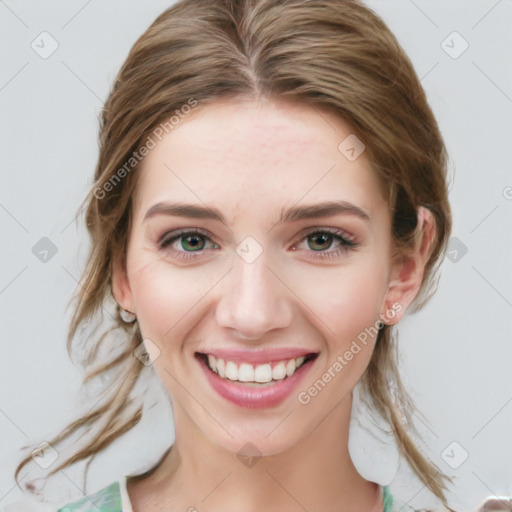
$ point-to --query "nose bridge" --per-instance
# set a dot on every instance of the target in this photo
(253, 299)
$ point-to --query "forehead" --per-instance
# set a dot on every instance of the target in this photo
(240, 152)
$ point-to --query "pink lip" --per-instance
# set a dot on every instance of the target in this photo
(258, 356)
(255, 397)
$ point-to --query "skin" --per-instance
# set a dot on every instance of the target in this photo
(250, 160)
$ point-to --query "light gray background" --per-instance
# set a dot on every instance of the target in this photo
(456, 351)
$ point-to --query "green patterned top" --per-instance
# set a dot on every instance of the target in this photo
(109, 500)
(106, 500)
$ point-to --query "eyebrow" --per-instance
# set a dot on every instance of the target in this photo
(295, 213)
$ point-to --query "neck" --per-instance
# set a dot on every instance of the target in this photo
(316, 474)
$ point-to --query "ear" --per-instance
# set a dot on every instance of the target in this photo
(407, 273)
(121, 286)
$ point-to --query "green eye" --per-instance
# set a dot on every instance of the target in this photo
(325, 244)
(321, 239)
(190, 242)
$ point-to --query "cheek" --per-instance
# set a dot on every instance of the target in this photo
(346, 299)
(164, 296)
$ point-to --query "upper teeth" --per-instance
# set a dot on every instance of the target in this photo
(245, 372)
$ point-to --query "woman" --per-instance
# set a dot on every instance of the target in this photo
(270, 199)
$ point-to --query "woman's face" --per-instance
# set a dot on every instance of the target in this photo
(258, 245)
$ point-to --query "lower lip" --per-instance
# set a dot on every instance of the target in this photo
(255, 397)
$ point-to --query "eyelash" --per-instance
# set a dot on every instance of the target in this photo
(345, 244)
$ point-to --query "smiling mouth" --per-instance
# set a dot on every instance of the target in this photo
(255, 374)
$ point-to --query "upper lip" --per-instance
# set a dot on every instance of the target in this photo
(258, 356)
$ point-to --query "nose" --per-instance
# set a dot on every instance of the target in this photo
(254, 300)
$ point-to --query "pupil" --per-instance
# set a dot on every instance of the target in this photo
(193, 244)
(324, 238)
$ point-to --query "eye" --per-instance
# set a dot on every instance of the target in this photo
(320, 241)
(192, 242)
(185, 243)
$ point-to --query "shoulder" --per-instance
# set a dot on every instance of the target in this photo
(107, 499)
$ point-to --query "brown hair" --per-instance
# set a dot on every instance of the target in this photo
(334, 54)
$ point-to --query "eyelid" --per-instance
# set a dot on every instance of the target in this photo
(311, 230)
(176, 233)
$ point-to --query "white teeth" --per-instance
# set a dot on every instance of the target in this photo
(279, 371)
(290, 367)
(212, 363)
(220, 368)
(231, 370)
(263, 373)
(246, 373)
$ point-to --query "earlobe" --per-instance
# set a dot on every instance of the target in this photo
(407, 273)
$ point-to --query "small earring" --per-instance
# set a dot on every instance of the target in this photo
(127, 316)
